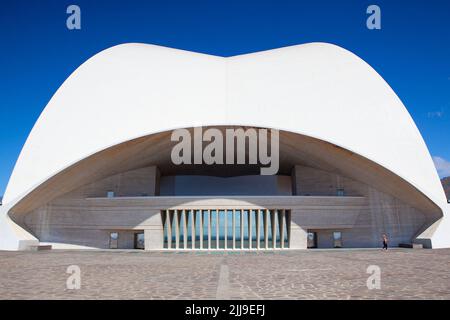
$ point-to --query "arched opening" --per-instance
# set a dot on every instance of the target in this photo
(134, 188)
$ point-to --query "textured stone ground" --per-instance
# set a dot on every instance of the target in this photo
(405, 274)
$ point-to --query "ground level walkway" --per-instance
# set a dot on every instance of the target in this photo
(312, 274)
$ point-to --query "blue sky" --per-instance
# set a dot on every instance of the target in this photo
(38, 52)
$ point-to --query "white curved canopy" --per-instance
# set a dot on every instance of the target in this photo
(133, 90)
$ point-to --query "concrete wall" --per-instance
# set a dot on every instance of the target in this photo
(85, 216)
(88, 221)
(383, 213)
(309, 181)
(72, 219)
(139, 182)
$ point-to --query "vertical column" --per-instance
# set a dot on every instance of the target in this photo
(185, 228)
(217, 230)
(234, 229)
(201, 228)
(208, 215)
(177, 229)
(155, 233)
(288, 228)
(282, 224)
(266, 229)
(193, 220)
(242, 229)
(298, 237)
(258, 228)
(225, 232)
(180, 228)
(169, 229)
(164, 226)
(274, 228)
(284, 227)
(250, 235)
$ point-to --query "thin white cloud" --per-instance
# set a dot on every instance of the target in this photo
(436, 114)
(442, 166)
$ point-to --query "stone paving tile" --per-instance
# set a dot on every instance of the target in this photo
(313, 274)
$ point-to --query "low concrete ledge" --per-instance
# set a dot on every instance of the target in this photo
(39, 247)
(411, 245)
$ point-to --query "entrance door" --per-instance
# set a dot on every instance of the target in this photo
(113, 240)
(337, 239)
(312, 239)
(139, 241)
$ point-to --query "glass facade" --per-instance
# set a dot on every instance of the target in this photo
(226, 228)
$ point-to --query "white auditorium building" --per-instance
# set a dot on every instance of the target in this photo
(96, 169)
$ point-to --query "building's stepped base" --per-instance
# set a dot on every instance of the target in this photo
(39, 247)
(411, 245)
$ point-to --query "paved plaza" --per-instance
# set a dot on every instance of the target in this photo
(313, 274)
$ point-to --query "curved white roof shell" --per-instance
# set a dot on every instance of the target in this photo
(133, 90)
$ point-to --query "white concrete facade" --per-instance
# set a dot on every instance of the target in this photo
(133, 91)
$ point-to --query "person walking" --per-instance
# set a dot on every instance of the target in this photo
(385, 242)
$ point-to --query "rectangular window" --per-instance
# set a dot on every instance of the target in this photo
(337, 239)
(113, 240)
(312, 239)
(139, 240)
